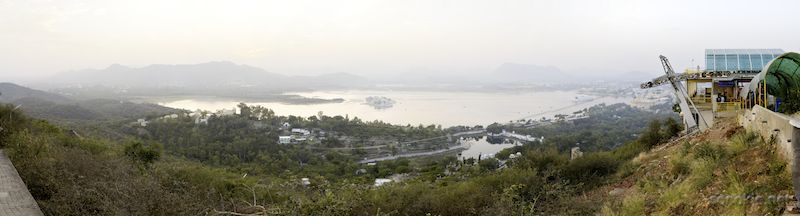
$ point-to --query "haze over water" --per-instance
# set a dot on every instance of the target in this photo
(420, 107)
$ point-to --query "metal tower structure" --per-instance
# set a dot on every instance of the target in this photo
(685, 102)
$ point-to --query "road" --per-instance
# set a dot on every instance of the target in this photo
(459, 147)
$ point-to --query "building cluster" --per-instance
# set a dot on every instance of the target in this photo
(648, 98)
(514, 135)
(200, 117)
(289, 135)
(299, 135)
(607, 89)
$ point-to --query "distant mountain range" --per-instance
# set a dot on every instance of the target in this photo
(205, 75)
(227, 79)
(511, 72)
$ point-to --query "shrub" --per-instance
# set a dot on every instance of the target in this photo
(686, 147)
(541, 159)
(143, 154)
(633, 204)
(741, 142)
(591, 166)
(630, 150)
(673, 128)
(489, 164)
(678, 166)
(627, 169)
(702, 173)
(791, 104)
(653, 135)
(706, 150)
(11, 120)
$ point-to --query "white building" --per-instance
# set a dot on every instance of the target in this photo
(201, 120)
(226, 112)
(142, 122)
(170, 116)
(284, 139)
(301, 131)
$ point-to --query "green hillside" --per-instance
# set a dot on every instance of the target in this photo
(75, 175)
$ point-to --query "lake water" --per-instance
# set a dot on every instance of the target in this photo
(425, 107)
(487, 148)
(420, 107)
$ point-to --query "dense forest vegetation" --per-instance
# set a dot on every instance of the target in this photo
(230, 166)
(248, 142)
(605, 127)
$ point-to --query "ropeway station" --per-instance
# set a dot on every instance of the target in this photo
(760, 88)
(722, 88)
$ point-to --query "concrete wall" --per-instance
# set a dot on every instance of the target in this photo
(773, 125)
(784, 129)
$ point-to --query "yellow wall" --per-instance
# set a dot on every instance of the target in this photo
(691, 86)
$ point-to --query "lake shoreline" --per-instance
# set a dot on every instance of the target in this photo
(411, 107)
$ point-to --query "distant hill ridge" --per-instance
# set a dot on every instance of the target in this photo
(56, 107)
(10, 92)
(210, 74)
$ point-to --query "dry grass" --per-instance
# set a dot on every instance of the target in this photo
(680, 177)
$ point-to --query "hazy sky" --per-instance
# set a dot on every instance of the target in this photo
(40, 38)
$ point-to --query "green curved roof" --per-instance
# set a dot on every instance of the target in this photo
(781, 74)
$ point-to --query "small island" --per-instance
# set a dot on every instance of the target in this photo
(379, 102)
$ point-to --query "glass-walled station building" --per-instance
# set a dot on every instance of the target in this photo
(739, 60)
(734, 68)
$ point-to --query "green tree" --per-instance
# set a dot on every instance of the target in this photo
(673, 128)
(11, 120)
(143, 154)
(332, 142)
(790, 104)
(244, 110)
(494, 128)
(489, 164)
(652, 136)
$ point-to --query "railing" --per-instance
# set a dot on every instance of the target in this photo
(728, 106)
(701, 99)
